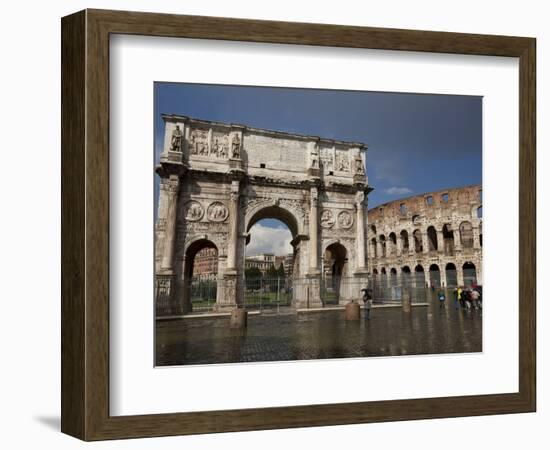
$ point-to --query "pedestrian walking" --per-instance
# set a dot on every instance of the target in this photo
(441, 297)
(464, 299)
(475, 299)
(456, 297)
(367, 300)
(460, 292)
(467, 298)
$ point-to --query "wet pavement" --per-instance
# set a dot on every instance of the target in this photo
(320, 335)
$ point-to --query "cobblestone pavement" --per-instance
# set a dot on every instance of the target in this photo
(319, 335)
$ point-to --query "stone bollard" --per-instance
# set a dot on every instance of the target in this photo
(406, 301)
(239, 318)
(353, 311)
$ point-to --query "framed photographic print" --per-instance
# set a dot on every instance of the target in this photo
(271, 224)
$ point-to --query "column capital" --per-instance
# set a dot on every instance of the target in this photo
(235, 187)
(314, 194)
(360, 198)
(170, 184)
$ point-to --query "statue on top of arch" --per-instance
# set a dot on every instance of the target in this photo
(236, 147)
(175, 144)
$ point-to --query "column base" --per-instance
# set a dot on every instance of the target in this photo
(308, 294)
(227, 297)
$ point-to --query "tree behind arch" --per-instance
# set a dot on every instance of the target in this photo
(281, 271)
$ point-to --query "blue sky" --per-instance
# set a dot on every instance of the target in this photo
(416, 142)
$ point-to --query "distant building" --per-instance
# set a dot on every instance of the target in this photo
(432, 239)
(206, 263)
(264, 262)
(288, 264)
(278, 261)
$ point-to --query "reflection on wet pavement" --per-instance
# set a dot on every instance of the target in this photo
(319, 335)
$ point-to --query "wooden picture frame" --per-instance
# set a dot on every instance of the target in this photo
(85, 224)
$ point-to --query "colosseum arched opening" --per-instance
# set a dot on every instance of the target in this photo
(393, 276)
(432, 239)
(419, 277)
(435, 276)
(417, 236)
(448, 240)
(406, 278)
(469, 274)
(392, 241)
(404, 236)
(383, 248)
(451, 275)
(466, 235)
(373, 248)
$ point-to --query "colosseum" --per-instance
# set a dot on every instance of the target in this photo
(428, 240)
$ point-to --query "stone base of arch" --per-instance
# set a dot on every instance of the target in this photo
(229, 291)
(307, 292)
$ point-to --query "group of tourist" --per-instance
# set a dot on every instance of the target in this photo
(465, 298)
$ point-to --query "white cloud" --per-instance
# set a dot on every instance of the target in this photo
(394, 190)
(269, 240)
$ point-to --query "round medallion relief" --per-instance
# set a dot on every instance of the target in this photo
(193, 211)
(345, 219)
(217, 212)
(327, 218)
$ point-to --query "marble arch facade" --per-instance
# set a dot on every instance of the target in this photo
(218, 179)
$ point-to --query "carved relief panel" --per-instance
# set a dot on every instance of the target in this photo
(326, 156)
(327, 218)
(198, 142)
(217, 212)
(341, 160)
(345, 219)
(193, 211)
(220, 146)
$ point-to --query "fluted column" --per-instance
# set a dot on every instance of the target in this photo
(440, 241)
(313, 231)
(475, 231)
(456, 239)
(459, 276)
(425, 243)
(443, 276)
(399, 245)
(233, 227)
(379, 250)
(360, 232)
(169, 188)
(412, 244)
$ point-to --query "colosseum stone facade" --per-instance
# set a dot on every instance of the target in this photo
(432, 239)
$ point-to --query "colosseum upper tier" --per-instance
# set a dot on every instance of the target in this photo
(432, 239)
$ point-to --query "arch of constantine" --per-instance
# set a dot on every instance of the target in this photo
(433, 239)
(217, 180)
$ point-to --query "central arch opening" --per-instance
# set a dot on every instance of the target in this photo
(270, 261)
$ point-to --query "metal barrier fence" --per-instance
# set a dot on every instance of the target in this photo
(276, 293)
(202, 294)
(390, 289)
(267, 293)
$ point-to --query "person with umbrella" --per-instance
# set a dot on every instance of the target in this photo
(367, 300)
